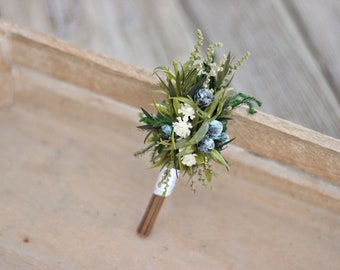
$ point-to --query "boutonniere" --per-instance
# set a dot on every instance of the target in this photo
(189, 128)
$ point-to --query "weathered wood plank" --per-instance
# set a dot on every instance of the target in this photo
(288, 143)
(78, 66)
(281, 71)
(138, 32)
(6, 82)
(319, 24)
(144, 33)
(31, 14)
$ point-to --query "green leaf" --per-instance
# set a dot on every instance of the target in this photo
(189, 81)
(218, 96)
(178, 84)
(220, 107)
(145, 127)
(162, 83)
(176, 104)
(162, 110)
(166, 71)
(160, 162)
(147, 136)
(241, 98)
(172, 89)
(198, 136)
(208, 174)
(146, 113)
(229, 81)
(197, 86)
(200, 133)
(175, 65)
(217, 157)
(187, 150)
(163, 92)
(200, 158)
(177, 145)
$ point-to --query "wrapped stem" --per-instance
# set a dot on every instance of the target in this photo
(165, 183)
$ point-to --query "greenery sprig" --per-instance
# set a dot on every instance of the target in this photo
(190, 127)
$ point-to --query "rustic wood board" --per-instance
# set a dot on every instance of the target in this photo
(6, 82)
(319, 23)
(69, 198)
(282, 70)
(125, 30)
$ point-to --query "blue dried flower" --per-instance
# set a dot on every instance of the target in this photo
(222, 140)
(215, 129)
(204, 97)
(167, 130)
(206, 145)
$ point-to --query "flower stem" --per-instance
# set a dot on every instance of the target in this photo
(150, 215)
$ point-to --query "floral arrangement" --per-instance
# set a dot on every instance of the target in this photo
(189, 129)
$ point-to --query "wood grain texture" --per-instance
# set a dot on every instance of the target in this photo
(288, 143)
(6, 82)
(319, 24)
(77, 193)
(292, 72)
(136, 32)
(75, 65)
(14, 261)
(294, 89)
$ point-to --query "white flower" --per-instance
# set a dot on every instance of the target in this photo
(214, 69)
(182, 128)
(199, 66)
(187, 111)
(189, 160)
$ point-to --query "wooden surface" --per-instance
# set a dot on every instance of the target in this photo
(72, 194)
(294, 67)
(70, 200)
(6, 82)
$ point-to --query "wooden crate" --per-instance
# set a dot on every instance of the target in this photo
(72, 194)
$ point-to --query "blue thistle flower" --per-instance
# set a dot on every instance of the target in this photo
(167, 130)
(204, 97)
(215, 129)
(206, 145)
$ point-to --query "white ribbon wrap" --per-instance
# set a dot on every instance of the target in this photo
(170, 182)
